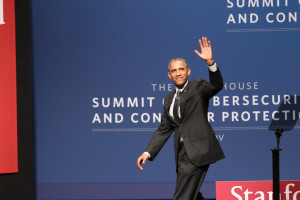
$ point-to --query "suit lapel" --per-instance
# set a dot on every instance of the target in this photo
(168, 100)
(183, 98)
(167, 105)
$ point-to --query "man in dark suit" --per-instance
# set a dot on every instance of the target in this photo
(185, 112)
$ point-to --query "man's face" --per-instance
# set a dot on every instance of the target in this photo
(179, 73)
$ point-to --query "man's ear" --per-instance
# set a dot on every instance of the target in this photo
(189, 71)
(169, 75)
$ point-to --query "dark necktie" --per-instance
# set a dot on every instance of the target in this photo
(176, 107)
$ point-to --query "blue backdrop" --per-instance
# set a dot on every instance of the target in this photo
(100, 75)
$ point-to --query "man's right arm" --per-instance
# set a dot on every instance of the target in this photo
(159, 138)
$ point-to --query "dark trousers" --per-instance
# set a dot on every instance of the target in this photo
(189, 177)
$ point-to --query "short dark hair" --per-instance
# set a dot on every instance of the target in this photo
(177, 59)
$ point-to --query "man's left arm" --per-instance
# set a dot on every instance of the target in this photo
(216, 80)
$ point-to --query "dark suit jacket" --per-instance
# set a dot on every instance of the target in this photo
(200, 142)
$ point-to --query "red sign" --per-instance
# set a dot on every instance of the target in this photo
(256, 190)
(8, 89)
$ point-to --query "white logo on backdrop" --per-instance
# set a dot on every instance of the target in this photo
(264, 12)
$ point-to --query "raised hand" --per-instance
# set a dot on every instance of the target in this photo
(206, 51)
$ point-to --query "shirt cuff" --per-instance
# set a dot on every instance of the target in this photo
(148, 154)
(213, 67)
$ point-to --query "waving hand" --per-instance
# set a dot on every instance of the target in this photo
(206, 51)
